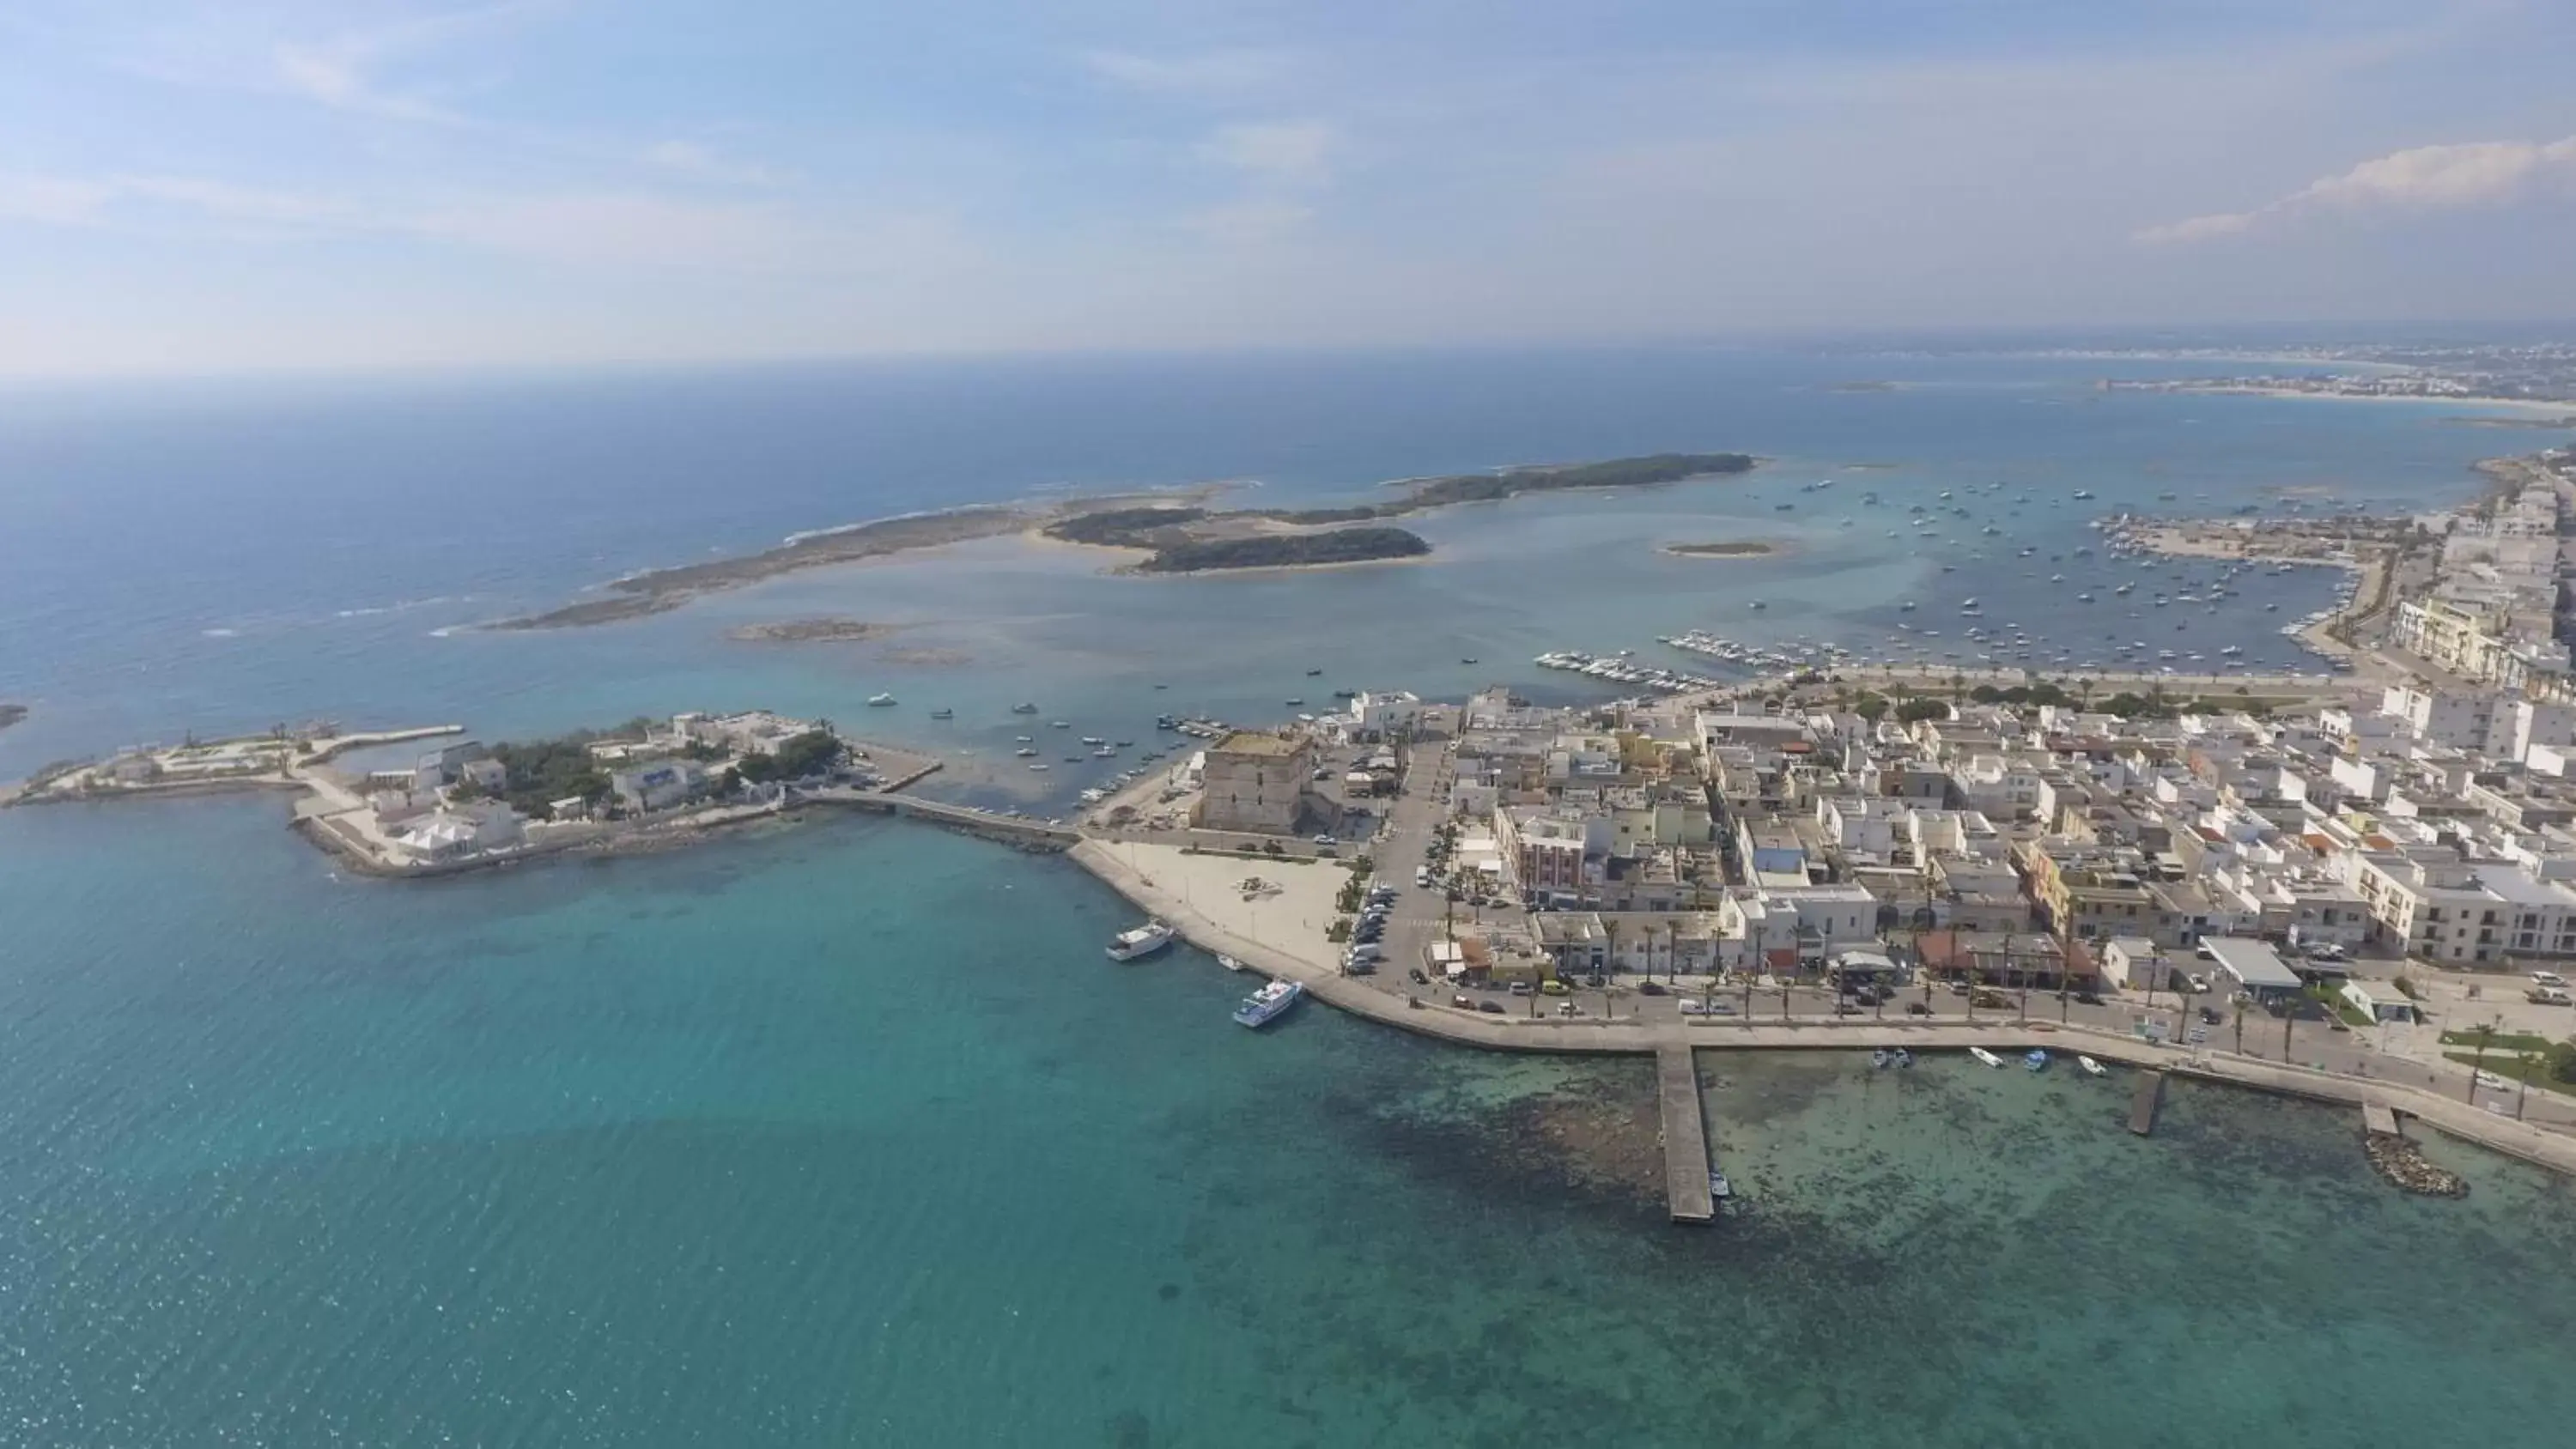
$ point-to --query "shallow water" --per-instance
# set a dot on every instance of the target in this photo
(847, 1134)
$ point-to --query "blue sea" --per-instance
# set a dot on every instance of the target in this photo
(841, 1132)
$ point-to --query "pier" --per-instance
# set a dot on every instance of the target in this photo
(2143, 1101)
(1686, 1188)
(2379, 1119)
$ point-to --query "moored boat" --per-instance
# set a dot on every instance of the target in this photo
(1269, 1003)
(880, 701)
(2091, 1067)
(1880, 1058)
(2036, 1059)
(1145, 940)
(1229, 963)
(1985, 1056)
(1718, 1187)
(1904, 1058)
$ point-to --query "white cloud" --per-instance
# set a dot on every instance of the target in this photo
(2421, 178)
(1208, 73)
(344, 71)
(1291, 153)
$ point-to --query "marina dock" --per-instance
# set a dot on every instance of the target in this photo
(1686, 1188)
(2143, 1101)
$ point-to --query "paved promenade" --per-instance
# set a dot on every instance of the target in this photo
(1594, 1035)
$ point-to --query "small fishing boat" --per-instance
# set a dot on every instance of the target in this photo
(1904, 1058)
(943, 714)
(2036, 1059)
(880, 701)
(1024, 709)
(2091, 1067)
(1229, 963)
(1985, 1056)
(1880, 1058)
(1718, 1187)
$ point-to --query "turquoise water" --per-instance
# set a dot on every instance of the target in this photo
(844, 1133)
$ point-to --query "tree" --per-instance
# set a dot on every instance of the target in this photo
(1610, 928)
(1757, 965)
(2240, 1028)
(2478, 1061)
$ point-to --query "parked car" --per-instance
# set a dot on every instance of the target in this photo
(1490, 1008)
(2209, 1016)
(1650, 988)
(1553, 988)
(1463, 1002)
(2089, 998)
(1916, 1008)
(1847, 1008)
(2547, 978)
(1520, 988)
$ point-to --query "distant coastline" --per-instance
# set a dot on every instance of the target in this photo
(11, 713)
(1175, 528)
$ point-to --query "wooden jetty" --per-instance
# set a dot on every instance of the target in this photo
(1686, 1187)
(2143, 1101)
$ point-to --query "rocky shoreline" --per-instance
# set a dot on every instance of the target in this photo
(2403, 1164)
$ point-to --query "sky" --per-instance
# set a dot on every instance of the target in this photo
(267, 185)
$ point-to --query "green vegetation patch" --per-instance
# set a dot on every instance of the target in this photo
(1341, 545)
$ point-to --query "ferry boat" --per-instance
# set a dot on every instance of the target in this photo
(1145, 940)
(1268, 1004)
(1985, 1056)
(880, 701)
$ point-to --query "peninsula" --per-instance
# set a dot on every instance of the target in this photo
(1175, 527)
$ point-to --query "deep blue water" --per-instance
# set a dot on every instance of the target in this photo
(844, 1134)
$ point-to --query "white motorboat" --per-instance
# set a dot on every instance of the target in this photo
(880, 701)
(1985, 1056)
(1267, 1005)
(1145, 940)
(2091, 1067)
(1229, 963)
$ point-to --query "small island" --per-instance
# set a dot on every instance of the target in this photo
(11, 713)
(1738, 548)
(810, 631)
(1174, 527)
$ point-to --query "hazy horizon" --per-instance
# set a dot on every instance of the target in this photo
(297, 186)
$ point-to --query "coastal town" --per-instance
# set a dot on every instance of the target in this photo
(2357, 884)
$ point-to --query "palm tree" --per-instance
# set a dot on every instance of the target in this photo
(1610, 928)
(2240, 1028)
(1758, 964)
(2478, 1063)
